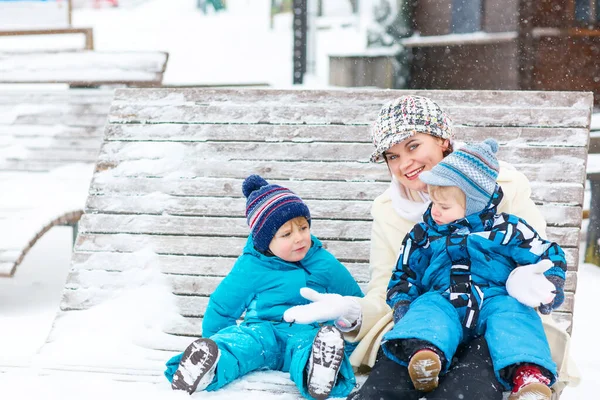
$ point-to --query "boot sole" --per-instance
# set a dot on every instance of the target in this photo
(540, 390)
(197, 360)
(326, 355)
(424, 369)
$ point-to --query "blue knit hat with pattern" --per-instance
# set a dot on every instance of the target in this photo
(473, 169)
(268, 207)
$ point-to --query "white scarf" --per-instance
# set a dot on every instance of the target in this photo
(405, 207)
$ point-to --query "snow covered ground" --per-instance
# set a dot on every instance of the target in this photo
(234, 47)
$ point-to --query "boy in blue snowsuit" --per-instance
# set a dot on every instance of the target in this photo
(280, 257)
(449, 283)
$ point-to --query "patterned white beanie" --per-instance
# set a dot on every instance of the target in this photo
(404, 117)
(473, 169)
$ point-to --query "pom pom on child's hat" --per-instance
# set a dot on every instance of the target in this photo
(404, 117)
(473, 169)
(268, 207)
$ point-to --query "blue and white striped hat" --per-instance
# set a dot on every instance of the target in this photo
(268, 207)
(473, 169)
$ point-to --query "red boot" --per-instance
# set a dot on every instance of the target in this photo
(530, 383)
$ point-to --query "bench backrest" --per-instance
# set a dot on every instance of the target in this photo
(171, 167)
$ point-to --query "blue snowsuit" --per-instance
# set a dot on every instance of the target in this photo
(451, 279)
(265, 287)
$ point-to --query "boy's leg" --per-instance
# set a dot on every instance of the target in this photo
(244, 348)
(515, 335)
(444, 335)
(330, 373)
(197, 366)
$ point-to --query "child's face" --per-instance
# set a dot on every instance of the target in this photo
(446, 210)
(292, 240)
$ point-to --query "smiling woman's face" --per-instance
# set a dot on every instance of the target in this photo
(418, 153)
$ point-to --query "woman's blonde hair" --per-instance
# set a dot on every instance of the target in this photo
(442, 193)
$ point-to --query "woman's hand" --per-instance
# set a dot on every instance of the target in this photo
(529, 286)
(344, 310)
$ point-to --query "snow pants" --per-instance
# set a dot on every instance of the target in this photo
(513, 332)
(269, 346)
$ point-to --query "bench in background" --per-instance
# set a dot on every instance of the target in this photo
(84, 68)
(170, 171)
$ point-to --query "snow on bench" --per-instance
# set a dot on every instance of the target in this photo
(49, 141)
(84, 68)
(165, 207)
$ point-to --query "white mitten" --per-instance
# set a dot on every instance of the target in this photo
(528, 284)
(325, 307)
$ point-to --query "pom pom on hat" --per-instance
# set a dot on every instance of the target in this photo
(473, 169)
(268, 207)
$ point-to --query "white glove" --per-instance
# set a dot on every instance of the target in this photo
(528, 284)
(325, 307)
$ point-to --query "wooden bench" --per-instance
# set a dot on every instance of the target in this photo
(49, 141)
(59, 33)
(85, 68)
(170, 170)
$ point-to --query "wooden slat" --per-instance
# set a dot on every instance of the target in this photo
(58, 131)
(223, 226)
(445, 98)
(108, 184)
(354, 251)
(328, 133)
(256, 112)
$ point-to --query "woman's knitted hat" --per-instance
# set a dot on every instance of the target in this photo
(404, 117)
(473, 169)
(268, 207)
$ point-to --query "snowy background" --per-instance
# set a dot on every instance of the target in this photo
(238, 46)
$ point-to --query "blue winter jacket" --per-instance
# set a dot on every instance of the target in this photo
(265, 286)
(471, 258)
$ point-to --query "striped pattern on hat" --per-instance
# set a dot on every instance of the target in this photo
(404, 117)
(473, 169)
(268, 207)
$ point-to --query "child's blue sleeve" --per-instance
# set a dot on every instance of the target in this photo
(405, 283)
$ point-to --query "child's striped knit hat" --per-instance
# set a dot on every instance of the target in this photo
(404, 117)
(473, 169)
(268, 207)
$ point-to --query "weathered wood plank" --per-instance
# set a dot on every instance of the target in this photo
(156, 204)
(445, 98)
(329, 133)
(104, 184)
(58, 131)
(223, 226)
(259, 112)
(25, 98)
(345, 251)
(571, 170)
(179, 265)
(318, 152)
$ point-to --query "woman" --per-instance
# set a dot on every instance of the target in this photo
(412, 134)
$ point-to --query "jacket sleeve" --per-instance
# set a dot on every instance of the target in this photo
(527, 247)
(405, 285)
(229, 300)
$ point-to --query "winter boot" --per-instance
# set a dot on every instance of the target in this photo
(530, 383)
(324, 362)
(424, 367)
(197, 366)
